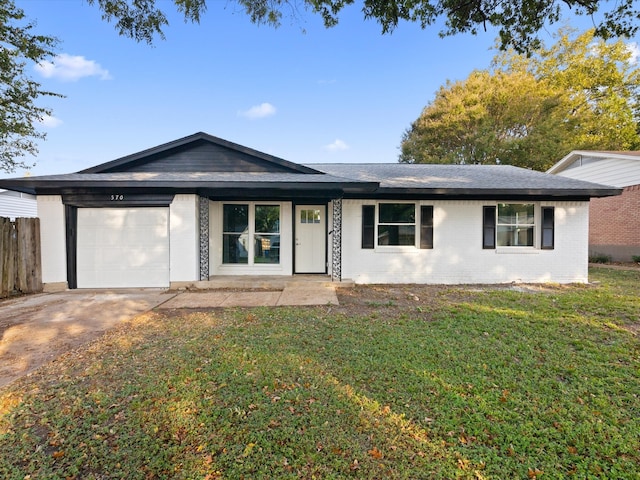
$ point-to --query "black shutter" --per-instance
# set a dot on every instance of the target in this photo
(426, 226)
(368, 225)
(548, 227)
(489, 227)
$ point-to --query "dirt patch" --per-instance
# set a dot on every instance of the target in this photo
(38, 328)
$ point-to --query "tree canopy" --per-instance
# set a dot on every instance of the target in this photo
(518, 21)
(530, 111)
(19, 115)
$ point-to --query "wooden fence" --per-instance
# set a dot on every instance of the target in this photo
(20, 264)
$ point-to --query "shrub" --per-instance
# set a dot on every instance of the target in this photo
(599, 258)
(635, 258)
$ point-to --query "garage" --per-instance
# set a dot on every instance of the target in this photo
(122, 247)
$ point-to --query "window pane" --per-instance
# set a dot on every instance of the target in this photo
(303, 216)
(267, 218)
(266, 249)
(515, 214)
(235, 218)
(397, 213)
(234, 248)
(396, 234)
(316, 216)
(512, 236)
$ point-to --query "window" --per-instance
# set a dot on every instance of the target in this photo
(250, 234)
(235, 234)
(310, 216)
(396, 224)
(515, 225)
(267, 234)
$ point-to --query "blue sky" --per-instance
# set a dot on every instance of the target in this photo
(344, 94)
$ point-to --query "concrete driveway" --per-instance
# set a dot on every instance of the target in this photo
(38, 328)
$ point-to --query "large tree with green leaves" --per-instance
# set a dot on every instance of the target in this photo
(19, 114)
(518, 21)
(530, 111)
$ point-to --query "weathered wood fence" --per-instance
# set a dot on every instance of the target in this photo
(20, 264)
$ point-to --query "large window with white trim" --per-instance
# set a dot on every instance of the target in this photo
(396, 224)
(250, 233)
(516, 225)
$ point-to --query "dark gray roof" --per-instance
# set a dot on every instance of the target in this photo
(356, 180)
(464, 179)
(190, 181)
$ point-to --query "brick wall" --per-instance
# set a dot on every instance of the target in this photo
(614, 225)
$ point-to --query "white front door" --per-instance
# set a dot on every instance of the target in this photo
(311, 239)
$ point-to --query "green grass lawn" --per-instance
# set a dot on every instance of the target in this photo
(412, 382)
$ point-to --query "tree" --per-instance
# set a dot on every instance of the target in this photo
(531, 111)
(601, 81)
(479, 121)
(19, 114)
(518, 21)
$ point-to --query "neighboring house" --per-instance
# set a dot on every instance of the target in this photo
(17, 204)
(202, 207)
(614, 222)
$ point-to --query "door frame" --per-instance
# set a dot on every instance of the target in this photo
(326, 235)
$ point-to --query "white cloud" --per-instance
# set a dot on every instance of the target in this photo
(70, 68)
(258, 111)
(337, 146)
(50, 122)
(634, 50)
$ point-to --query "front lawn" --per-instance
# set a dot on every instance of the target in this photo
(396, 382)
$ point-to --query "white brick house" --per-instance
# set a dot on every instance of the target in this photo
(202, 207)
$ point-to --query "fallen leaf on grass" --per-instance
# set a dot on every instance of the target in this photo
(375, 453)
(534, 473)
(248, 449)
(58, 454)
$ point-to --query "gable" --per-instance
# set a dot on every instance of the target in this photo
(200, 153)
(621, 169)
(203, 157)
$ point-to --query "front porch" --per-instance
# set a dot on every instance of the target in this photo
(253, 291)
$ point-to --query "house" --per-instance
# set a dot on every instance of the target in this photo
(17, 204)
(202, 207)
(614, 222)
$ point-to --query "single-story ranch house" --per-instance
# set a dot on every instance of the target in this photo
(202, 207)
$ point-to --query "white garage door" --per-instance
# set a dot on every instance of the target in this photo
(123, 247)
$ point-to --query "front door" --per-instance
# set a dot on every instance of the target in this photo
(311, 239)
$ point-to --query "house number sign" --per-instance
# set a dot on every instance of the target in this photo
(117, 198)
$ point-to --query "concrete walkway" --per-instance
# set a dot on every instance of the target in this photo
(241, 291)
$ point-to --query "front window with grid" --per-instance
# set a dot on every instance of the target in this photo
(396, 224)
(516, 225)
(250, 234)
